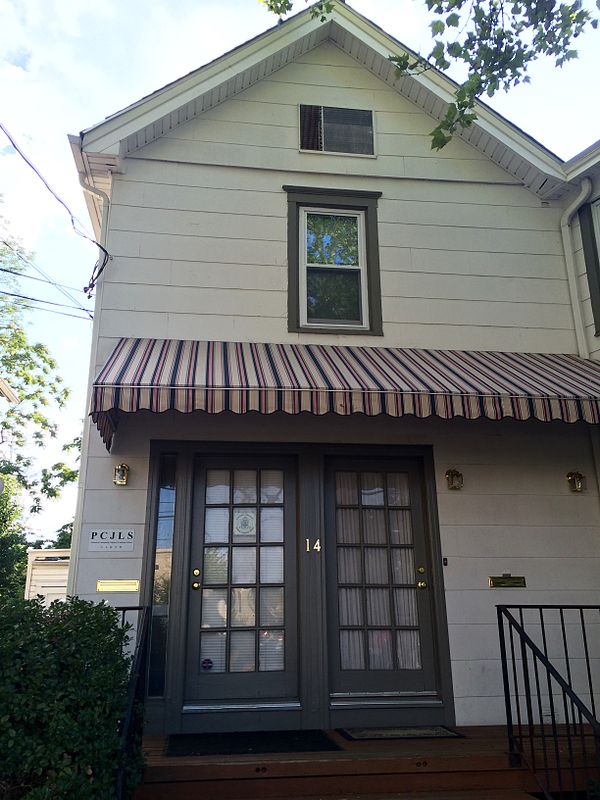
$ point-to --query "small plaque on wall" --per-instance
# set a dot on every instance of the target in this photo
(107, 538)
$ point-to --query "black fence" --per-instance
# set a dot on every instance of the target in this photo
(138, 620)
(551, 670)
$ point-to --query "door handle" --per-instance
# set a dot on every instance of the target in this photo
(195, 585)
(421, 584)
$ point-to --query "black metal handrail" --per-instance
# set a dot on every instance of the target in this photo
(131, 724)
(550, 727)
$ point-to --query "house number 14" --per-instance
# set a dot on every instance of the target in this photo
(316, 546)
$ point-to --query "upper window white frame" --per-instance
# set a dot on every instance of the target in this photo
(360, 268)
(337, 152)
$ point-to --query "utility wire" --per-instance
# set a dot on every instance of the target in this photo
(31, 263)
(105, 255)
(42, 280)
(39, 300)
(60, 313)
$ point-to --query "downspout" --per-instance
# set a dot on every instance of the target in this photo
(584, 351)
(567, 241)
(105, 205)
(76, 542)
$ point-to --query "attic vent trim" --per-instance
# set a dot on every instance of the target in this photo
(327, 129)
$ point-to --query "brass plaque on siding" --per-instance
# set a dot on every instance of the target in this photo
(507, 582)
(126, 585)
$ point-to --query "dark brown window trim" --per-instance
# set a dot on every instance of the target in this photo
(589, 238)
(303, 196)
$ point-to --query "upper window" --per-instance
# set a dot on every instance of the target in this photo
(336, 130)
(333, 260)
(333, 265)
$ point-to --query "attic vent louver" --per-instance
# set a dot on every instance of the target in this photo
(336, 130)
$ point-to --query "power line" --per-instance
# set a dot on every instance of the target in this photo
(31, 263)
(42, 280)
(105, 257)
(39, 300)
(60, 313)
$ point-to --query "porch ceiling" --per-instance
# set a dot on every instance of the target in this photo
(168, 374)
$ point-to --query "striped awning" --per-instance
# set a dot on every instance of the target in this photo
(163, 374)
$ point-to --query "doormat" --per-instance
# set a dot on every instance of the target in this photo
(241, 743)
(430, 732)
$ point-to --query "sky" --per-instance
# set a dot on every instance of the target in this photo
(67, 64)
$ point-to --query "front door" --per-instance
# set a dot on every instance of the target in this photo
(308, 596)
(383, 666)
(241, 664)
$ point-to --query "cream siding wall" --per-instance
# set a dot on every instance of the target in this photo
(198, 229)
(515, 514)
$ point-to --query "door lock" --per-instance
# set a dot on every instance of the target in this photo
(195, 586)
(421, 570)
(196, 572)
(421, 584)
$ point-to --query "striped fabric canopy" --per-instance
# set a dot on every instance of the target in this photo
(163, 374)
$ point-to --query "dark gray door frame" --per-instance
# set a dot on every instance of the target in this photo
(311, 459)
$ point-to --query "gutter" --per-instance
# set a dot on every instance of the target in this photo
(567, 241)
(105, 204)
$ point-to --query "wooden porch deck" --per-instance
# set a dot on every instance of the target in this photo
(474, 767)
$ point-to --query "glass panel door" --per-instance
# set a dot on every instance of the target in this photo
(242, 628)
(379, 601)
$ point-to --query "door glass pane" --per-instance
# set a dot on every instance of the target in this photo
(244, 486)
(215, 564)
(348, 525)
(241, 653)
(397, 486)
(217, 486)
(244, 524)
(405, 607)
(271, 524)
(372, 489)
(349, 565)
(271, 486)
(212, 652)
(403, 565)
(374, 531)
(378, 607)
(214, 608)
(346, 488)
(350, 606)
(380, 649)
(409, 649)
(401, 527)
(376, 565)
(352, 650)
(216, 525)
(271, 564)
(271, 651)
(243, 565)
(243, 608)
(271, 605)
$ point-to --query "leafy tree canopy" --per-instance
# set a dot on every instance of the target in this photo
(28, 425)
(495, 40)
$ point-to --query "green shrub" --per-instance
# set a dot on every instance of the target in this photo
(63, 683)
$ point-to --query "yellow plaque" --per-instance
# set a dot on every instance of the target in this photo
(120, 585)
(507, 582)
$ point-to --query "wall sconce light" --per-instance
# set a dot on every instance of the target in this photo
(455, 479)
(121, 475)
(576, 481)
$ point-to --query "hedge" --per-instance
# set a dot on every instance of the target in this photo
(63, 683)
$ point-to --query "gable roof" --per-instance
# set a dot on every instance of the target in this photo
(99, 149)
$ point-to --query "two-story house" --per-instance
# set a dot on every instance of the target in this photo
(338, 382)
